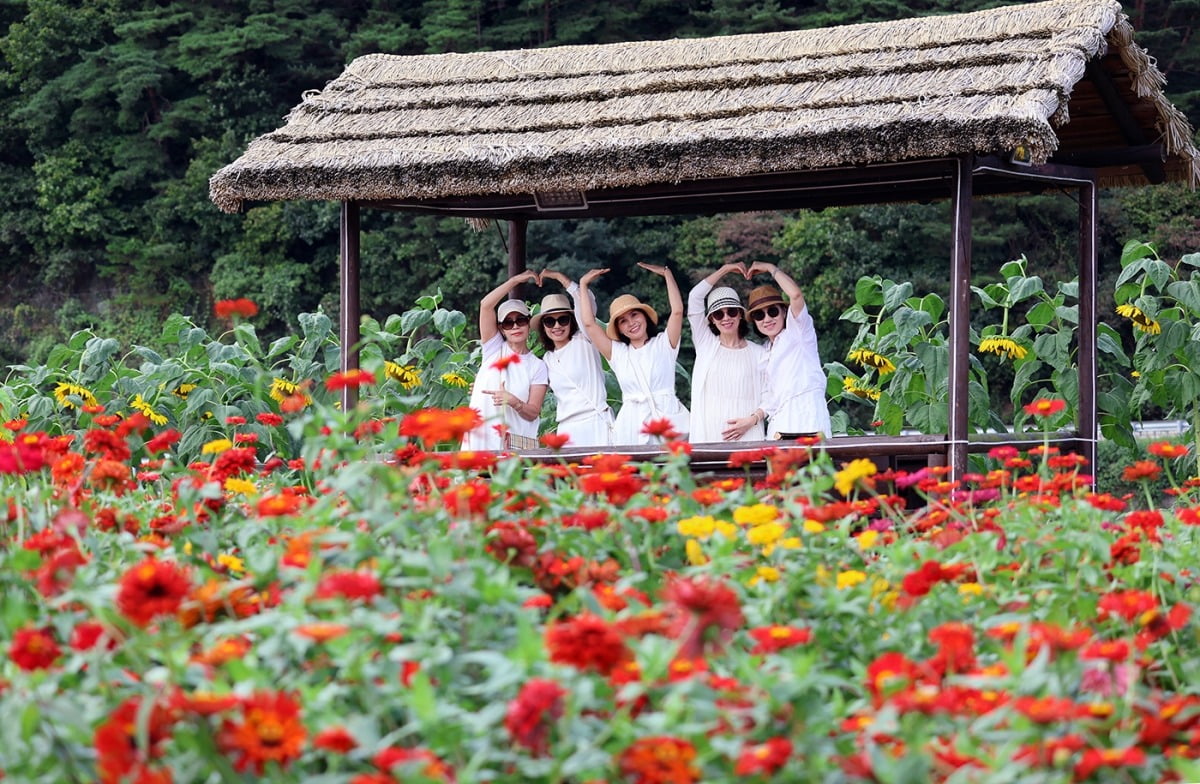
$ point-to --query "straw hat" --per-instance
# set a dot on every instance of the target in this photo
(622, 305)
(510, 306)
(762, 297)
(722, 297)
(551, 303)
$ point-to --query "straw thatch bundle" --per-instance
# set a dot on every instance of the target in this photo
(620, 115)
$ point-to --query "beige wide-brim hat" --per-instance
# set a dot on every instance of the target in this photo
(622, 305)
(551, 303)
(762, 297)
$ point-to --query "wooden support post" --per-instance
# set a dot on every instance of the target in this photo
(960, 316)
(517, 232)
(348, 326)
(1087, 423)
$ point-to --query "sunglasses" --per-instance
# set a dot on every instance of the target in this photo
(724, 313)
(770, 311)
(557, 321)
(513, 323)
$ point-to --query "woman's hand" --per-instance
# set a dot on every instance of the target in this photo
(658, 269)
(528, 276)
(502, 397)
(738, 427)
(764, 267)
(591, 275)
(555, 275)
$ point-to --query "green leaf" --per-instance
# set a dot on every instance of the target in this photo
(1188, 294)
(315, 326)
(1135, 250)
(1159, 273)
(413, 320)
(449, 323)
(1023, 288)
(1190, 259)
(1107, 342)
(1040, 314)
(988, 296)
(868, 291)
(280, 345)
(245, 334)
(894, 294)
(98, 351)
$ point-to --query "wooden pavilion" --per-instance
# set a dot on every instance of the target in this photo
(1005, 101)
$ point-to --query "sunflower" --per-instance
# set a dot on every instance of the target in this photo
(455, 380)
(850, 386)
(183, 390)
(406, 375)
(281, 389)
(868, 358)
(1003, 347)
(1139, 319)
(138, 404)
(65, 391)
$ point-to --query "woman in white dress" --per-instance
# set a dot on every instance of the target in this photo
(729, 377)
(795, 397)
(576, 375)
(511, 385)
(642, 359)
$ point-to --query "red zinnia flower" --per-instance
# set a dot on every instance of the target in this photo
(228, 308)
(34, 649)
(1045, 406)
(555, 440)
(770, 639)
(336, 739)
(661, 428)
(430, 766)
(348, 585)
(533, 712)
(1130, 605)
(152, 588)
(1167, 449)
(129, 739)
(703, 611)
(270, 730)
(163, 441)
(587, 643)
(351, 379)
(1142, 469)
(1094, 759)
(505, 361)
(659, 760)
(763, 758)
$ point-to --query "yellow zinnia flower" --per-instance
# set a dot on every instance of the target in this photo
(853, 471)
(1003, 347)
(695, 553)
(764, 574)
(66, 390)
(216, 446)
(698, 527)
(850, 578)
(240, 486)
(455, 380)
(1140, 320)
(406, 375)
(868, 358)
(765, 535)
(755, 515)
(138, 404)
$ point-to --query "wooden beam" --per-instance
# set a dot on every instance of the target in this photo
(349, 312)
(1133, 133)
(960, 316)
(1108, 158)
(1087, 423)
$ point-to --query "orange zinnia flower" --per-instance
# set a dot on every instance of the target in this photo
(763, 758)
(435, 425)
(505, 361)
(659, 760)
(770, 639)
(1142, 469)
(1167, 449)
(270, 730)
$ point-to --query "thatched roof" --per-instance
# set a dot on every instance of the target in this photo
(1061, 78)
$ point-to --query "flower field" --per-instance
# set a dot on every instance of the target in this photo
(237, 581)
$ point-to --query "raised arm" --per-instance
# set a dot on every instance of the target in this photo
(585, 308)
(674, 327)
(699, 292)
(786, 285)
(492, 300)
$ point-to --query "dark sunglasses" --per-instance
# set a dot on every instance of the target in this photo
(725, 313)
(557, 321)
(512, 323)
(771, 311)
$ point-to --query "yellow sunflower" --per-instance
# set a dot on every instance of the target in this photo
(850, 386)
(868, 358)
(65, 391)
(1140, 320)
(1003, 347)
(138, 404)
(406, 375)
(281, 389)
(455, 380)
